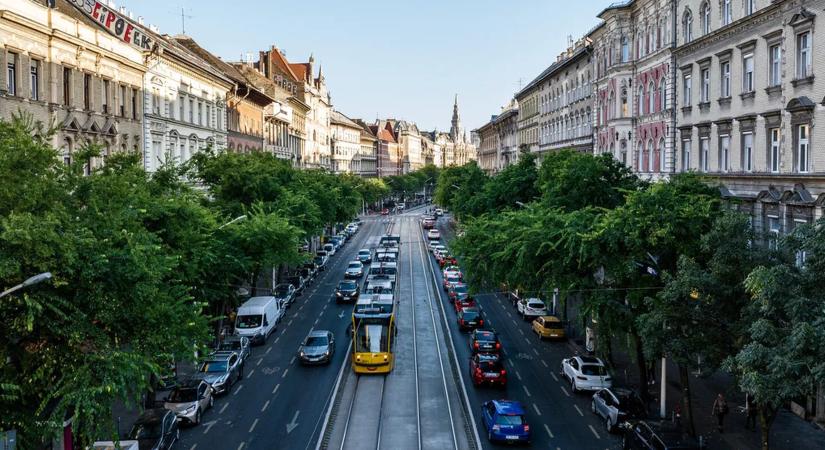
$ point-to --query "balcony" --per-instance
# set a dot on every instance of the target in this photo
(279, 151)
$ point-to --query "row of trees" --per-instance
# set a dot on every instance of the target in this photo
(143, 266)
(666, 268)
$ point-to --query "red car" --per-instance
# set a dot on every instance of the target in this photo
(447, 260)
(459, 291)
(450, 281)
(486, 368)
(465, 303)
(385, 212)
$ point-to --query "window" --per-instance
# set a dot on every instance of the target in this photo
(650, 156)
(686, 89)
(775, 55)
(34, 71)
(724, 153)
(67, 86)
(705, 18)
(134, 104)
(662, 95)
(200, 113)
(104, 96)
(87, 91)
(747, 75)
(774, 229)
(651, 97)
(122, 102)
(747, 152)
(661, 154)
(705, 152)
(641, 100)
(802, 148)
(687, 26)
(726, 12)
(624, 103)
(208, 115)
(774, 149)
(11, 74)
(639, 158)
(705, 86)
(191, 111)
(803, 55)
(750, 7)
(725, 66)
(625, 49)
(686, 155)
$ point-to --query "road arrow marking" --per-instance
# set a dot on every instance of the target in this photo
(341, 316)
(291, 425)
(209, 425)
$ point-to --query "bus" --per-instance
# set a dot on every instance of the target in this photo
(390, 240)
(373, 325)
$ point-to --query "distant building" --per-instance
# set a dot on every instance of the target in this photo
(454, 147)
(368, 155)
(387, 151)
(346, 144)
(498, 140)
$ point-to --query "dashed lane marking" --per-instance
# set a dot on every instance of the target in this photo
(259, 362)
(267, 351)
(594, 432)
(276, 388)
(250, 373)
(527, 340)
(554, 375)
(286, 371)
(565, 391)
(526, 391)
(547, 429)
(238, 390)
(288, 324)
(266, 405)
(241, 446)
(545, 365)
(579, 410)
(518, 375)
(193, 446)
(223, 408)
(534, 350)
(254, 424)
(521, 331)
(283, 332)
(292, 361)
(277, 339)
(537, 409)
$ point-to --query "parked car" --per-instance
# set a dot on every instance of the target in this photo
(308, 271)
(428, 224)
(433, 234)
(469, 319)
(221, 370)
(460, 304)
(385, 212)
(155, 429)
(365, 256)
(656, 435)
(504, 420)
(459, 292)
(439, 212)
(317, 348)
(354, 270)
(284, 293)
(586, 373)
(452, 271)
(258, 317)
(530, 308)
(450, 281)
(485, 341)
(616, 405)
(189, 400)
(320, 262)
(487, 369)
(548, 327)
(330, 249)
(437, 248)
(347, 291)
(298, 282)
(237, 344)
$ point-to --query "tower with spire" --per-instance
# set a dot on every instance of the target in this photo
(456, 132)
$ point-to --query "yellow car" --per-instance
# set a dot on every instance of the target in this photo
(548, 327)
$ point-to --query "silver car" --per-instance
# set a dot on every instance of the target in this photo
(189, 400)
(237, 344)
(317, 348)
(616, 406)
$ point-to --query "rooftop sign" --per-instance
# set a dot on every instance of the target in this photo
(114, 23)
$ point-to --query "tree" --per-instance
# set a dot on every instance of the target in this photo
(458, 187)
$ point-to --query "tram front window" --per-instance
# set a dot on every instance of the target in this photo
(371, 339)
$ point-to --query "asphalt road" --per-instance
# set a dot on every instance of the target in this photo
(559, 419)
(280, 404)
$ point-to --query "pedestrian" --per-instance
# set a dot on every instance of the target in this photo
(751, 410)
(720, 410)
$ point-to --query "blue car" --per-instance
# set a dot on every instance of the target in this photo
(504, 421)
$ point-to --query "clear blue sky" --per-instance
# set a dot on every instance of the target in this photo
(403, 59)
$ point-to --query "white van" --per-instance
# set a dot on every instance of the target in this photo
(257, 318)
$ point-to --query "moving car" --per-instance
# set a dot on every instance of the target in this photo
(257, 318)
(354, 270)
(155, 429)
(189, 400)
(504, 420)
(586, 373)
(317, 348)
(486, 368)
(284, 293)
(450, 281)
(485, 341)
(617, 405)
(221, 370)
(439, 212)
(459, 292)
(433, 234)
(530, 308)
(365, 256)
(460, 304)
(656, 435)
(347, 291)
(321, 262)
(237, 344)
(548, 327)
(452, 271)
(469, 319)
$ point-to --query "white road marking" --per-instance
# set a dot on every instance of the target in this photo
(526, 391)
(553, 375)
(241, 445)
(193, 446)
(288, 323)
(237, 390)
(565, 391)
(266, 405)
(276, 388)
(518, 375)
(269, 349)
(594, 432)
(302, 306)
(250, 373)
(259, 362)
(545, 365)
(253, 425)
(521, 331)
(528, 341)
(284, 374)
(277, 339)
(579, 410)
(316, 322)
(283, 332)
(535, 351)
(537, 409)
(223, 407)
(547, 429)
(292, 361)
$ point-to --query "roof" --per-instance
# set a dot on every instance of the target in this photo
(318, 333)
(258, 301)
(553, 68)
(339, 118)
(301, 70)
(280, 60)
(509, 407)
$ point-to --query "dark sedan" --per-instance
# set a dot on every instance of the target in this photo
(155, 429)
(469, 319)
(347, 291)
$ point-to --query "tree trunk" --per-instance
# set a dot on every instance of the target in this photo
(641, 362)
(766, 418)
(687, 401)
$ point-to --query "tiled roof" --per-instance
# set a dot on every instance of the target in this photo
(301, 70)
(280, 60)
(339, 118)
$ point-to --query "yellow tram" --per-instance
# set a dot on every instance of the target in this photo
(373, 325)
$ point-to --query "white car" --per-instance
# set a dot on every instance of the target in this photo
(354, 270)
(431, 245)
(452, 271)
(438, 248)
(330, 249)
(433, 234)
(586, 373)
(530, 308)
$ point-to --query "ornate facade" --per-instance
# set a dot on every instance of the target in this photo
(498, 140)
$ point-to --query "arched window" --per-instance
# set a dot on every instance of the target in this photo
(641, 111)
(662, 96)
(661, 154)
(624, 102)
(625, 49)
(705, 18)
(687, 26)
(651, 97)
(623, 156)
(650, 155)
(640, 157)
(610, 102)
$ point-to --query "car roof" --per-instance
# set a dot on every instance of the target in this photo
(551, 319)
(485, 333)
(590, 360)
(470, 309)
(318, 333)
(220, 356)
(364, 250)
(508, 407)
(259, 301)
(190, 383)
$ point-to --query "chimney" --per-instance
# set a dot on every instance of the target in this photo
(140, 20)
(131, 16)
(122, 10)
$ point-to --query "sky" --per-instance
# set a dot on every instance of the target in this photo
(401, 59)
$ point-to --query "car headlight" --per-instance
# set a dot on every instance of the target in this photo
(220, 381)
(339, 294)
(301, 354)
(190, 409)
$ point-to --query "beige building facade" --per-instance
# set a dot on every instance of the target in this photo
(345, 137)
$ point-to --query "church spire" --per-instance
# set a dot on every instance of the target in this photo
(456, 132)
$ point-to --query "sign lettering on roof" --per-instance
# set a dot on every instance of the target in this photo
(114, 23)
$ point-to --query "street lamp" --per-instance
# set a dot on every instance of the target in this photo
(29, 282)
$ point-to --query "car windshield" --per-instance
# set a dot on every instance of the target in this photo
(469, 314)
(355, 265)
(145, 431)
(316, 341)
(319, 259)
(593, 369)
(364, 252)
(389, 271)
(553, 325)
(183, 395)
(249, 321)
(214, 367)
(510, 420)
(230, 345)
(536, 305)
(281, 290)
(460, 289)
(452, 279)
(347, 285)
(490, 365)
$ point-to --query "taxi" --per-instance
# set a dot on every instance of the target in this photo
(548, 327)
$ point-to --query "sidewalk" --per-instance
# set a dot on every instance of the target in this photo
(789, 432)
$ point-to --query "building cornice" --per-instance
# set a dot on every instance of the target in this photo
(769, 14)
